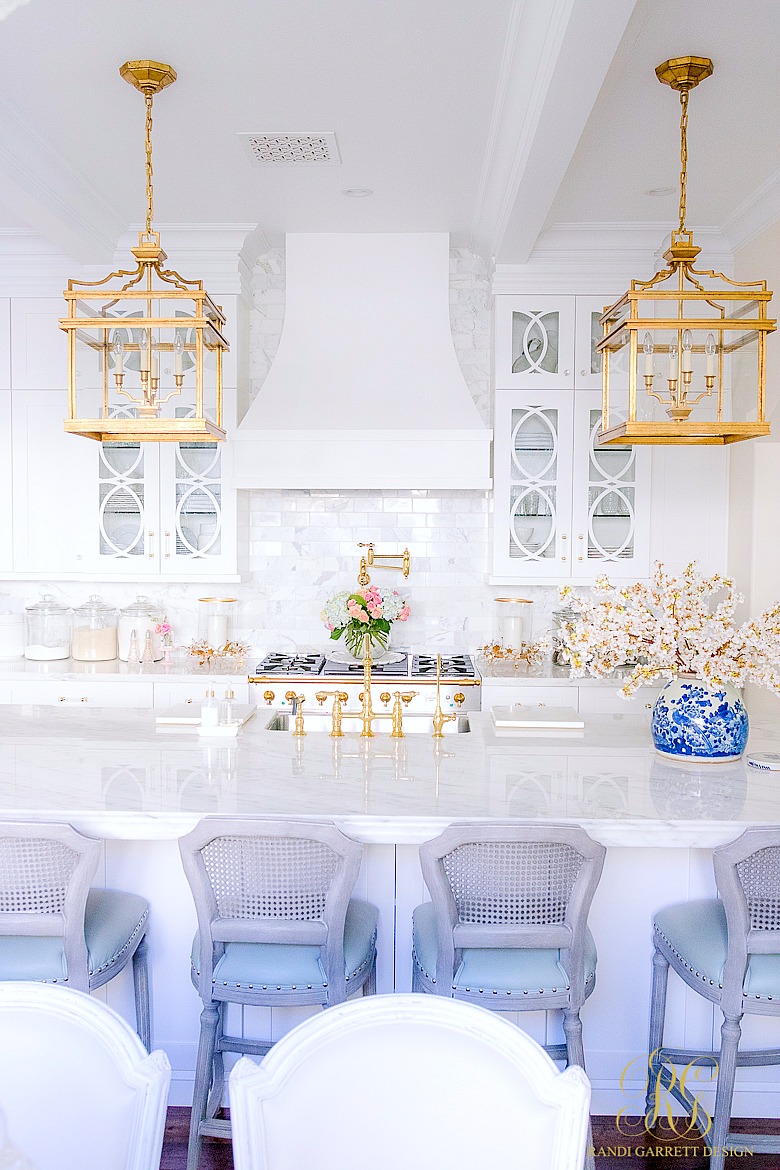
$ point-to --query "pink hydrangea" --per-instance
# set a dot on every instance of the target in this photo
(404, 614)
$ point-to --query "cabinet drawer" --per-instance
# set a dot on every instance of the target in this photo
(532, 696)
(172, 694)
(608, 701)
(91, 692)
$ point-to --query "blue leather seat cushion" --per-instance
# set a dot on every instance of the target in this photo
(112, 925)
(498, 968)
(697, 932)
(286, 966)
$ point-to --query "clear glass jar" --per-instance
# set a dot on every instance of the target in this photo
(94, 632)
(216, 620)
(11, 635)
(513, 621)
(140, 618)
(48, 630)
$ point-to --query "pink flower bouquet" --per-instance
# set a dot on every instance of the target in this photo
(368, 611)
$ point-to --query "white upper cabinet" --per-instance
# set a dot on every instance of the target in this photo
(588, 333)
(534, 343)
(116, 509)
(565, 507)
(5, 343)
(39, 350)
(6, 484)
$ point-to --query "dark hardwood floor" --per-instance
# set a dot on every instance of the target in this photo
(614, 1151)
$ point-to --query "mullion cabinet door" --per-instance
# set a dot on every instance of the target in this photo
(587, 359)
(533, 486)
(125, 497)
(534, 343)
(611, 500)
(197, 509)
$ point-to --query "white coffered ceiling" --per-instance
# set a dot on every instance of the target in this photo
(486, 118)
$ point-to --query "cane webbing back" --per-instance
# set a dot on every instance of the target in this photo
(526, 883)
(269, 877)
(34, 875)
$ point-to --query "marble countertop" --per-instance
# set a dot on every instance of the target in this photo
(182, 669)
(114, 773)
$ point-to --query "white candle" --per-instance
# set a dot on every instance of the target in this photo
(687, 352)
(710, 349)
(145, 358)
(155, 368)
(648, 352)
(217, 634)
(511, 630)
(178, 356)
(673, 362)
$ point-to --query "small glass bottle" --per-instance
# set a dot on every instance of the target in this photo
(209, 710)
(226, 707)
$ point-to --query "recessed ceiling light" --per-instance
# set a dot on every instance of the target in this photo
(659, 191)
(357, 192)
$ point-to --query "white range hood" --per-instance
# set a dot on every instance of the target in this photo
(365, 390)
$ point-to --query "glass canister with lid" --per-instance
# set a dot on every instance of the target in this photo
(48, 630)
(140, 618)
(94, 631)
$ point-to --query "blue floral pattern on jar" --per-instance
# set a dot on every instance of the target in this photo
(700, 721)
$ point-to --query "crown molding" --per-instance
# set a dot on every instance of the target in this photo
(32, 266)
(756, 213)
(540, 109)
(601, 258)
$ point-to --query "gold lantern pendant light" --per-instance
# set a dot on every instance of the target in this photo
(145, 345)
(695, 338)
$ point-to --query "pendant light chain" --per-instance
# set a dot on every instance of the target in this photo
(683, 155)
(149, 188)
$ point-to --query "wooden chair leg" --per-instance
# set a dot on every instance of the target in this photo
(217, 1092)
(143, 1018)
(656, 1036)
(572, 1030)
(727, 1067)
(369, 987)
(209, 1021)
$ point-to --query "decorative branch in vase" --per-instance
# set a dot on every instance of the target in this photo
(679, 628)
(369, 611)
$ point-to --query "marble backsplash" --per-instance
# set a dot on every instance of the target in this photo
(299, 547)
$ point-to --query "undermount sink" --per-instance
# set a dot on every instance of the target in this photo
(321, 722)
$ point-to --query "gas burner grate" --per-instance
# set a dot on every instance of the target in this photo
(291, 664)
(378, 670)
(452, 666)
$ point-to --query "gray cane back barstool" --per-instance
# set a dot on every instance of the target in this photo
(277, 926)
(507, 923)
(728, 950)
(54, 928)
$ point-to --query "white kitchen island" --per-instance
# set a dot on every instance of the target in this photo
(113, 774)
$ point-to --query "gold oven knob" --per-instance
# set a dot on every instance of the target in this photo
(269, 696)
(459, 698)
(321, 696)
(385, 697)
(291, 696)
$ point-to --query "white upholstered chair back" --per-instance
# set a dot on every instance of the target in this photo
(77, 1088)
(432, 1082)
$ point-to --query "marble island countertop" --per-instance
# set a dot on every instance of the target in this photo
(113, 772)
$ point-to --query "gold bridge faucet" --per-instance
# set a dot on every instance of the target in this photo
(367, 712)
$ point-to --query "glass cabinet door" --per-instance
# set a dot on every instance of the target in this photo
(611, 500)
(588, 334)
(534, 339)
(533, 486)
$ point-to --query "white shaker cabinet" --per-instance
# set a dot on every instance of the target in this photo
(564, 506)
(39, 350)
(6, 484)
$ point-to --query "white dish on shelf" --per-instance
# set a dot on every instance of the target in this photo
(344, 658)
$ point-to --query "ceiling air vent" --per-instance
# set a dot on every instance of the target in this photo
(287, 150)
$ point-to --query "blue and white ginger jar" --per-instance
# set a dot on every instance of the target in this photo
(696, 720)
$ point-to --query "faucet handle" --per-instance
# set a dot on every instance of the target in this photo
(342, 696)
(407, 696)
(321, 696)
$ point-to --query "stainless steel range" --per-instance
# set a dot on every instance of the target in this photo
(280, 677)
